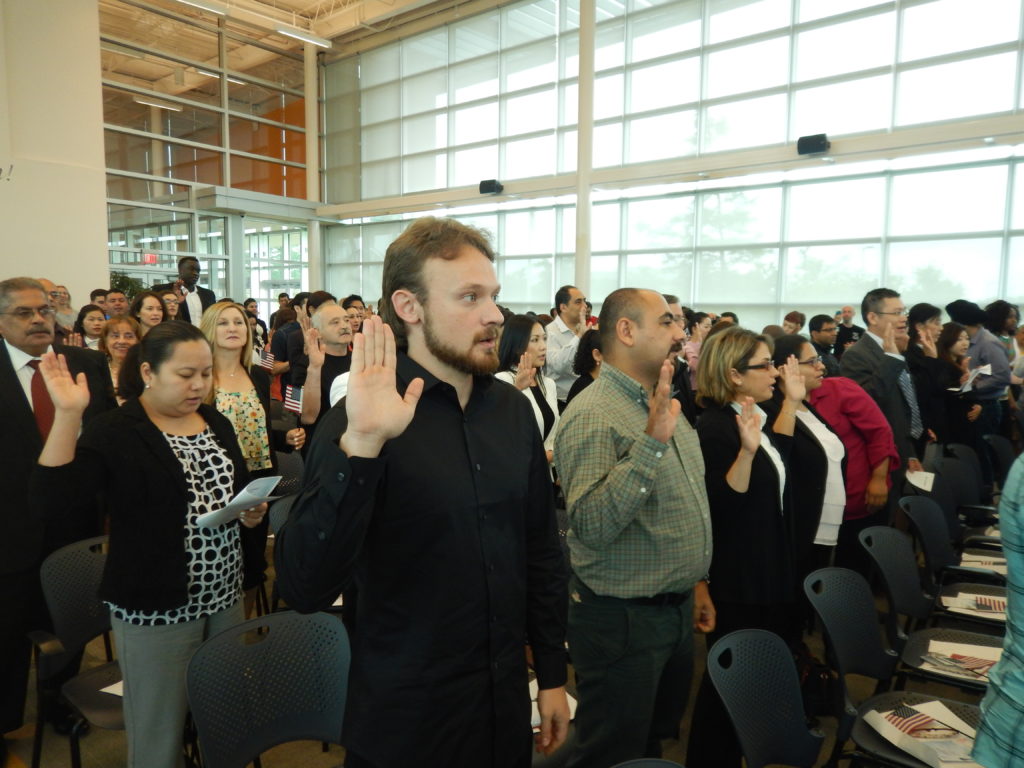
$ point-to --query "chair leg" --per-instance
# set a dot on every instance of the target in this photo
(107, 647)
(256, 762)
(41, 699)
(76, 754)
(37, 739)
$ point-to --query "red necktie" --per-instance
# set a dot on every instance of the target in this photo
(42, 405)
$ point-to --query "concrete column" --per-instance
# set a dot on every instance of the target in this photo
(52, 210)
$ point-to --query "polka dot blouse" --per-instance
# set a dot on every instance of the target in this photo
(213, 555)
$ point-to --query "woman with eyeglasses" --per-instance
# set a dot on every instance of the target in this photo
(170, 300)
(155, 465)
(820, 497)
(753, 573)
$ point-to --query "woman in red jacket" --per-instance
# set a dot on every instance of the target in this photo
(870, 457)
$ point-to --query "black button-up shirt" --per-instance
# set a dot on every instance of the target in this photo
(451, 540)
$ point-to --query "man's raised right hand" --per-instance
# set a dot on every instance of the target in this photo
(376, 411)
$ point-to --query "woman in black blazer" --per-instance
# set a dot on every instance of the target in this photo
(924, 324)
(241, 393)
(155, 465)
(818, 500)
(753, 575)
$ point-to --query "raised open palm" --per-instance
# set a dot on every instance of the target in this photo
(66, 392)
(376, 411)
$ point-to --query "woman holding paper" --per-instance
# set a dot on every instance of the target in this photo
(241, 393)
(157, 463)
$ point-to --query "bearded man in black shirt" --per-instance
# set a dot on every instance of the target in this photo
(427, 488)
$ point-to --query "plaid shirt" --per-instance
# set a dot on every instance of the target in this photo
(1000, 739)
(638, 508)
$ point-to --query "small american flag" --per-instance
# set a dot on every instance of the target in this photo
(293, 398)
(990, 603)
(907, 719)
(973, 663)
(267, 360)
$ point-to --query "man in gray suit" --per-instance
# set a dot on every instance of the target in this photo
(875, 362)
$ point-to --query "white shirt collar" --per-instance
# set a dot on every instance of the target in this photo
(560, 325)
(20, 359)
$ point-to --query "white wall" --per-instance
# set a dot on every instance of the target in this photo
(52, 211)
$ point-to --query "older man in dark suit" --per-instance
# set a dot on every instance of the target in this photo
(27, 327)
(877, 364)
(193, 299)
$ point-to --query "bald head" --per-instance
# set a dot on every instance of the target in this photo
(51, 288)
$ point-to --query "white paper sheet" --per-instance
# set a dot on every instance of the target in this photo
(117, 689)
(922, 480)
(256, 492)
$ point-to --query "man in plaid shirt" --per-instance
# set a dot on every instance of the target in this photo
(639, 538)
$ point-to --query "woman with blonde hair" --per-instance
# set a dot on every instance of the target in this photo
(753, 579)
(241, 393)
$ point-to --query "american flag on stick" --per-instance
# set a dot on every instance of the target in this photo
(293, 398)
(267, 360)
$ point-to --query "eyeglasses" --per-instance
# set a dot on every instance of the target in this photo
(900, 313)
(767, 366)
(812, 361)
(27, 313)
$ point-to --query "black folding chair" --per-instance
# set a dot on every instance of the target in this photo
(1003, 456)
(754, 673)
(71, 579)
(843, 601)
(271, 680)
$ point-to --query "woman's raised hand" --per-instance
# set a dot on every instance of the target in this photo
(376, 411)
(792, 381)
(748, 421)
(526, 374)
(68, 394)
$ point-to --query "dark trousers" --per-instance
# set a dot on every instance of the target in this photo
(850, 553)
(713, 742)
(987, 423)
(633, 664)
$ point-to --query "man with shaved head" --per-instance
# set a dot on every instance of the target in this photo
(640, 537)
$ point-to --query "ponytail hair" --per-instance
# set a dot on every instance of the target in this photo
(155, 348)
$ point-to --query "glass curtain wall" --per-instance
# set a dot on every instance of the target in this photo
(690, 78)
(191, 101)
(772, 245)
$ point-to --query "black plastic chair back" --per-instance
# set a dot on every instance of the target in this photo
(969, 456)
(754, 673)
(278, 678)
(289, 466)
(71, 580)
(892, 552)
(1002, 451)
(844, 603)
(279, 511)
(942, 494)
(928, 522)
(963, 481)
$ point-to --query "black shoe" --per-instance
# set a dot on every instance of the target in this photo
(63, 719)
